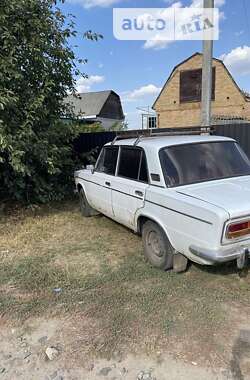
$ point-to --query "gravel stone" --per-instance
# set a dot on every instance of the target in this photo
(145, 375)
(53, 376)
(51, 353)
(43, 339)
(105, 371)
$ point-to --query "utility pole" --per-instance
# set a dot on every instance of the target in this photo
(207, 76)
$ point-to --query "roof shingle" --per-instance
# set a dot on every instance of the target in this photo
(88, 104)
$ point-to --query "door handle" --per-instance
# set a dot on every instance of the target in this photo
(139, 193)
(107, 183)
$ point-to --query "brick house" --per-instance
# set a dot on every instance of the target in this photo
(179, 102)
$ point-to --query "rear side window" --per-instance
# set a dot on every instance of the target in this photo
(133, 164)
(201, 162)
(107, 160)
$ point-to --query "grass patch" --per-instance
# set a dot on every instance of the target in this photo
(100, 268)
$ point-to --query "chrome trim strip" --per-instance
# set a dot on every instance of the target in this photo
(180, 212)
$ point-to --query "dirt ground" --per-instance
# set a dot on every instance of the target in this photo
(82, 287)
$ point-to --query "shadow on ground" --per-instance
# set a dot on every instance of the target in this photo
(241, 351)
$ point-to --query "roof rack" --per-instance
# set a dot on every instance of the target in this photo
(139, 134)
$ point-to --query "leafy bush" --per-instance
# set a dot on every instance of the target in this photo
(37, 70)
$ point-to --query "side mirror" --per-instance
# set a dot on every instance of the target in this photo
(91, 168)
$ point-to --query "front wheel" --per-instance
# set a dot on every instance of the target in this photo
(157, 248)
(86, 209)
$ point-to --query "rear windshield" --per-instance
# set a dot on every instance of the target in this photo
(199, 162)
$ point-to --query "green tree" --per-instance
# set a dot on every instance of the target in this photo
(90, 128)
(119, 126)
(37, 70)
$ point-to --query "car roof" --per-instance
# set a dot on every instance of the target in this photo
(158, 142)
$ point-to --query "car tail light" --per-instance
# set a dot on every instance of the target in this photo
(239, 229)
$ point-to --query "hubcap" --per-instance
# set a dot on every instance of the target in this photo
(155, 243)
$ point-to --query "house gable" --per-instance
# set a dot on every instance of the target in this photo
(91, 105)
(169, 95)
(112, 108)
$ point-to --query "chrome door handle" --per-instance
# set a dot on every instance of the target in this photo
(139, 193)
(107, 183)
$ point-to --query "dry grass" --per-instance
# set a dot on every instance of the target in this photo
(104, 279)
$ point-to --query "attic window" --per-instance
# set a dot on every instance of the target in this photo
(191, 85)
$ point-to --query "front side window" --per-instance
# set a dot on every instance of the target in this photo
(108, 160)
(133, 164)
(200, 162)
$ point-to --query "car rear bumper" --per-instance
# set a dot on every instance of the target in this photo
(241, 254)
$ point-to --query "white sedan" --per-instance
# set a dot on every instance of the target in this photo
(188, 196)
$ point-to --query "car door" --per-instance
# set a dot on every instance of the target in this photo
(130, 184)
(99, 188)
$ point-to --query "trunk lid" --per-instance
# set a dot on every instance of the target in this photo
(233, 194)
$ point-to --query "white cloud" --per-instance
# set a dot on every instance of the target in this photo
(94, 3)
(199, 3)
(85, 84)
(157, 44)
(238, 60)
(239, 33)
(140, 93)
(176, 4)
(217, 4)
(196, 3)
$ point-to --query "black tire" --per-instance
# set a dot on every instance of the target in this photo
(157, 248)
(86, 209)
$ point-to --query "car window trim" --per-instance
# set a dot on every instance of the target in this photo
(118, 166)
(202, 181)
(107, 147)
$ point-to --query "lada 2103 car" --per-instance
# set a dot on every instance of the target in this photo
(187, 195)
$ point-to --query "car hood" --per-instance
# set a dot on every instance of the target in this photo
(233, 195)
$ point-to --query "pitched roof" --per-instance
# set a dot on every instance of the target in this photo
(187, 59)
(88, 104)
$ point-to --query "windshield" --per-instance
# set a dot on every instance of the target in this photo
(199, 162)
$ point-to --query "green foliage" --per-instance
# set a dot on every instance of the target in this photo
(97, 127)
(90, 128)
(119, 126)
(37, 70)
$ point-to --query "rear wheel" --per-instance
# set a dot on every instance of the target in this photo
(157, 248)
(86, 209)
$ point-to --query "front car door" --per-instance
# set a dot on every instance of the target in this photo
(129, 185)
(99, 189)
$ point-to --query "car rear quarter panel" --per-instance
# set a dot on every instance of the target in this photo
(185, 220)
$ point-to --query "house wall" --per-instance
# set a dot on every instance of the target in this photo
(229, 100)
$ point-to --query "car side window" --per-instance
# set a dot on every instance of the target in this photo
(133, 164)
(143, 177)
(108, 160)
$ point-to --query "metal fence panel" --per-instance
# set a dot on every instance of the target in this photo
(86, 142)
(239, 132)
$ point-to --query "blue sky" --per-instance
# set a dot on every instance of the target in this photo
(137, 70)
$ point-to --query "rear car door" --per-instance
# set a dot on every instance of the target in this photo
(130, 184)
(99, 189)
